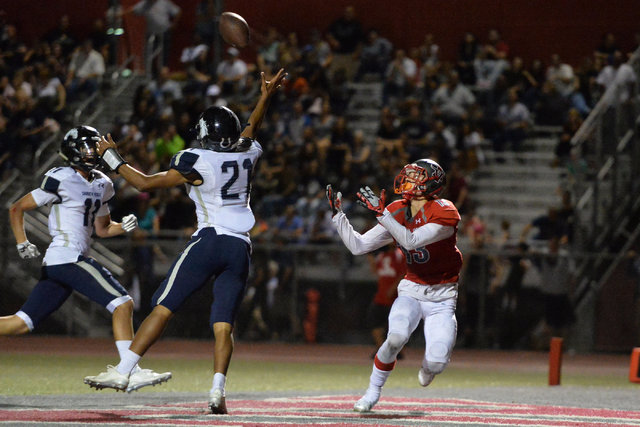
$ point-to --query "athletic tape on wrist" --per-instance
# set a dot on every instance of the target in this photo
(113, 159)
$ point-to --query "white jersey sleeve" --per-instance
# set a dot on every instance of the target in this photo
(47, 193)
(357, 243)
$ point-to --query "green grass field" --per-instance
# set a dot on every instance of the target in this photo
(27, 374)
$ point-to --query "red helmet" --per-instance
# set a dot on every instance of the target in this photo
(422, 178)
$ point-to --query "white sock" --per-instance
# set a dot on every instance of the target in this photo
(128, 361)
(219, 381)
(372, 394)
(378, 377)
(122, 346)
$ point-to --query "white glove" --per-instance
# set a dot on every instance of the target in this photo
(27, 250)
(129, 223)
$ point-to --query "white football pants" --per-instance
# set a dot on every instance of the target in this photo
(440, 327)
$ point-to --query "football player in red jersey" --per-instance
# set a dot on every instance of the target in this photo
(424, 226)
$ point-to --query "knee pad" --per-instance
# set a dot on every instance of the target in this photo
(396, 342)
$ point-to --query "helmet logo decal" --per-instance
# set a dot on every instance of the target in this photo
(73, 133)
(202, 128)
(438, 174)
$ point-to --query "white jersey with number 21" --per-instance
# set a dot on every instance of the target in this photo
(222, 200)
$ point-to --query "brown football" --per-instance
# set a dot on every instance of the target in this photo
(234, 29)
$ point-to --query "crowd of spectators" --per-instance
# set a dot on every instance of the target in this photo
(444, 110)
(40, 84)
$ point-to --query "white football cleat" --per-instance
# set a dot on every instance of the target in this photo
(143, 377)
(424, 377)
(364, 405)
(217, 404)
(110, 379)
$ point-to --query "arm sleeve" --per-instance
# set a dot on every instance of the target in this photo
(422, 236)
(48, 191)
(184, 162)
(358, 243)
(42, 197)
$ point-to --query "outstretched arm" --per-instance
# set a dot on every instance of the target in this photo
(141, 181)
(267, 89)
(421, 236)
(357, 243)
(105, 227)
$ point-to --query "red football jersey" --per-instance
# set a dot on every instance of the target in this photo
(439, 262)
(390, 267)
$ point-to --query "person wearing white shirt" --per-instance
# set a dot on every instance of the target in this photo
(85, 71)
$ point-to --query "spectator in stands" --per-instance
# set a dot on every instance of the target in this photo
(517, 76)
(290, 226)
(86, 69)
(549, 226)
(414, 133)
(51, 94)
(289, 50)
(359, 159)
(607, 48)
(457, 189)
(496, 48)
(165, 88)
(569, 128)
(167, 145)
(100, 40)
(388, 134)
(161, 17)
(442, 144)
(345, 36)
(178, 213)
(429, 51)
(62, 35)
(206, 21)
(621, 74)
(551, 108)
(232, 72)
(452, 100)
(339, 151)
(400, 77)
(375, 55)
(197, 64)
(514, 119)
(269, 51)
(144, 251)
(467, 52)
(557, 271)
(471, 154)
(568, 85)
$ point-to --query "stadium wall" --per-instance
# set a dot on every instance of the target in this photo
(533, 29)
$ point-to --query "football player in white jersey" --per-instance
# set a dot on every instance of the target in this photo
(78, 196)
(218, 178)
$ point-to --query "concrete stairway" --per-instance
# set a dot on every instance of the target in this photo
(521, 188)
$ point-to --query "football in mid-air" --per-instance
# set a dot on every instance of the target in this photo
(234, 29)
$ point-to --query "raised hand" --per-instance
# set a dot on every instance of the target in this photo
(335, 200)
(109, 153)
(369, 200)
